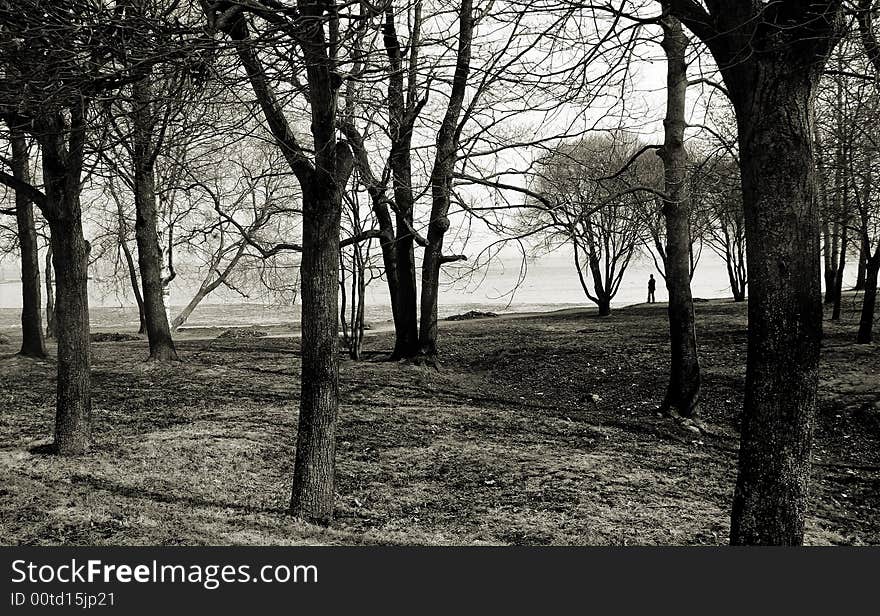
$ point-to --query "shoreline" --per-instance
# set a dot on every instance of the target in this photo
(201, 330)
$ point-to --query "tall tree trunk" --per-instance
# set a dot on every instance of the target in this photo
(50, 295)
(314, 467)
(441, 186)
(402, 113)
(775, 120)
(866, 322)
(32, 343)
(146, 231)
(322, 186)
(70, 253)
(683, 393)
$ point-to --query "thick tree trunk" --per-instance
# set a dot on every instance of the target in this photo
(604, 305)
(683, 392)
(771, 60)
(73, 411)
(32, 343)
(146, 231)
(407, 339)
(322, 185)
(313, 479)
(70, 254)
(866, 322)
(775, 120)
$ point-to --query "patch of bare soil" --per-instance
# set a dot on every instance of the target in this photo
(535, 430)
(244, 332)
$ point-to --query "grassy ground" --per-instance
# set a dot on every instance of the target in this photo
(536, 430)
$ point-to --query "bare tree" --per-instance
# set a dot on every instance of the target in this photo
(726, 235)
(683, 393)
(313, 28)
(33, 343)
(595, 215)
(448, 138)
(771, 57)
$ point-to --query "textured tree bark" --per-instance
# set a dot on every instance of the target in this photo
(313, 479)
(869, 303)
(70, 254)
(322, 184)
(683, 392)
(146, 231)
(32, 343)
(775, 120)
(771, 59)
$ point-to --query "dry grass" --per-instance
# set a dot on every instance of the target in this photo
(505, 444)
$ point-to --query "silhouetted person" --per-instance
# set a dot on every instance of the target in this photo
(652, 284)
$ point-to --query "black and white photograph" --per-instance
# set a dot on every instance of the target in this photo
(496, 273)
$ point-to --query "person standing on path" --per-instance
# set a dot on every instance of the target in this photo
(652, 284)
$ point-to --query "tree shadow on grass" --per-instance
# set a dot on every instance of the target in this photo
(99, 483)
